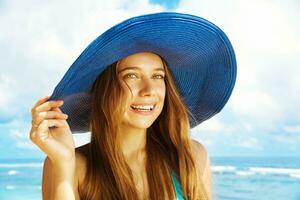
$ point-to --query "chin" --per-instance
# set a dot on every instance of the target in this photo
(144, 125)
(139, 121)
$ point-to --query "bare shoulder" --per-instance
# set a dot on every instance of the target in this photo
(203, 160)
(200, 153)
(199, 146)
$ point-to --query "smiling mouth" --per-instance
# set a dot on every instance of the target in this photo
(143, 108)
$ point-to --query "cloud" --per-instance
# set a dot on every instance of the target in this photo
(292, 141)
(251, 143)
(292, 129)
(258, 107)
(213, 125)
(40, 41)
(15, 133)
(6, 96)
(266, 45)
(267, 51)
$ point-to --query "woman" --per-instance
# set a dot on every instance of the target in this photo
(138, 88)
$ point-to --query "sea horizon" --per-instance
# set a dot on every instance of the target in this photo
(233, 178)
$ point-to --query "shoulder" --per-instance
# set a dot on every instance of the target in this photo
(196, 144)
(203, 161)
(200, 153)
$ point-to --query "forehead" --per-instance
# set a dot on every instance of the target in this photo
(144, 61)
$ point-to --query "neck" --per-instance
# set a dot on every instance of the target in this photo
(133, 143)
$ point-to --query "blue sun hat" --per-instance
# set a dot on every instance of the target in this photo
(198, 54)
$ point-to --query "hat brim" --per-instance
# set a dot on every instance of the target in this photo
(198, 53)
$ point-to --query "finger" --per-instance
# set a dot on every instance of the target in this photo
(52, 115)
(47, 115)
(48, 106)
(57, 109)
(38, 116)
(52, 123)
(42, 132)
(37, 131)
(40, 101)
(34, 125)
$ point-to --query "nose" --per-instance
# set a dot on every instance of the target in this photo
(146, 88)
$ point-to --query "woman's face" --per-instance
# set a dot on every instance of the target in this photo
(144, 74)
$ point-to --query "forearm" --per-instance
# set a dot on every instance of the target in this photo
(63, 182)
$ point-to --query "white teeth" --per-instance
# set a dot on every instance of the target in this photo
(143, 107)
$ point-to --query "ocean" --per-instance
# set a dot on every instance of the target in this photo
(234, 178)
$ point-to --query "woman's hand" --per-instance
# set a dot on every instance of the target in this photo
(51, 132)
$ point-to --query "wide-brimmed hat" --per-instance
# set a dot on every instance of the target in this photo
(198, 54)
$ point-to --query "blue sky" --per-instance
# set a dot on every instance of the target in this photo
(39, 41)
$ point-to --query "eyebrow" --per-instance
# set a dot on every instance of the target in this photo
(137, 68)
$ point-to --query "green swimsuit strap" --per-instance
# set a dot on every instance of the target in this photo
(177, 187)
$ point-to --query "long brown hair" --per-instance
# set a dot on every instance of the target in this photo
(168, 146)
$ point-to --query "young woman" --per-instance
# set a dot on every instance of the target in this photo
(139, 96)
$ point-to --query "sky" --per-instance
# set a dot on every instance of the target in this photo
(39, 40)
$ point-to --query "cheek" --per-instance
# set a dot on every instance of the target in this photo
(132, 90)
(129, 89)
(162, 91)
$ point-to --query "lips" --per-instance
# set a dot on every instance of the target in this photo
(147, 107)
(143, 109)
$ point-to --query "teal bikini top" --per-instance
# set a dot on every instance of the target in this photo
(177, 187)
